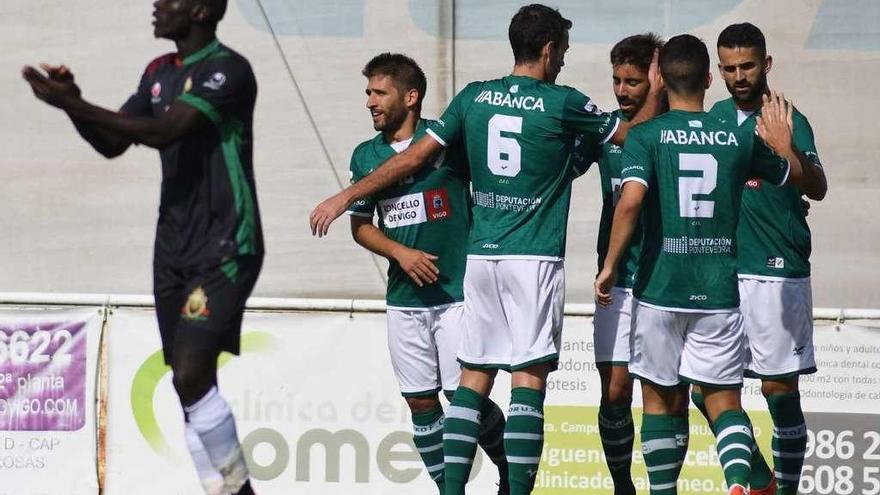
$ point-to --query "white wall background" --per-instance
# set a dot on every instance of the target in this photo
(72, 222)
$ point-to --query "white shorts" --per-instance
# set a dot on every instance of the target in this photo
(671, 347)
(423, 345)
(611, 328)
(778, 324)
(513, 311)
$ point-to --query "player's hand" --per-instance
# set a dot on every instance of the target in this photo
(805, 207)
(56, 87)
(324, 214)
(656, 84)
(604, 282)
(419, 265)
(774, 125)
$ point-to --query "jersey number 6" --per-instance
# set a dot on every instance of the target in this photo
(503, 153)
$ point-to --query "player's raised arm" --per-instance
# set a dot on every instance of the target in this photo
(653, 102)
(392, 170)
(774, 126)
(157, 132)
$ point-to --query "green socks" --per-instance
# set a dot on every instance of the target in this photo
(616, 431)
(789, 440)
(524, 438)
(428, 439)
(461, 431)
(734, 442)
(664, 445)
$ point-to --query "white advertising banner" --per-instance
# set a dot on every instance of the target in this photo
(48, 363)
(319, 412)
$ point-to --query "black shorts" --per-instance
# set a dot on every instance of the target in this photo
(200, 308)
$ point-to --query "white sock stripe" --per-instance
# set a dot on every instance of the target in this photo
(619, 458)
(526, 413)
(432, 448)
(663, 467)
(459, 438)
(622, 441)
(733, 430)
(523, 436)
(790, 455)
(664, 486)
(733, 446)
(427, 430)
(435, 468)
(734, 461)
(786, 477)
(610, 423)
(515, 459)
(448, 459)
(463, 413)
(659, 444)
(798, 431)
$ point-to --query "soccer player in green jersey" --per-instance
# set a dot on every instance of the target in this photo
(195, 106)
(630, 62)
(518, 132)
(688, 168)
(773, 265)
(422, 220)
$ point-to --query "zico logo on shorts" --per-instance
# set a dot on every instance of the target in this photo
(416, 208)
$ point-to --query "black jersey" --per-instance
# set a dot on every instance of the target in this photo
(208, 211)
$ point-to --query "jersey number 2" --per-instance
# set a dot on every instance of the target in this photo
(503, 154)
(688, 187)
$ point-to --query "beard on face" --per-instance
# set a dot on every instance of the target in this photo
(754, 93)
(393, 117)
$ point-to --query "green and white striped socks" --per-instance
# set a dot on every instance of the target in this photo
(664, 445)
(789, 440)
(524, 438)
(617, 432)
(428, 439)
(461, 431)
(734, 442)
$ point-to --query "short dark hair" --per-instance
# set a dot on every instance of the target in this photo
(745, 35)
(532, 27)
(217, 9)
(637, 50)
(684, 64)
(403, 71)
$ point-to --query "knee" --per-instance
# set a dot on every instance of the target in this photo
(190, 383)
(618, 394)
(779, 387)
(422, 404)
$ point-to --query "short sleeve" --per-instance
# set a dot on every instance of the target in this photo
(581, 116)
(583, 155)
(637, 159)
(450, 126)
(363, 207)
(139, 104)
(223, 86)
(804, 140)
(768, 165)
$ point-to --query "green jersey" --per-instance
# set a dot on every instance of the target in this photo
(610, 167)
(694, 167)
(773, 235)
(518, 133)
(429, 211)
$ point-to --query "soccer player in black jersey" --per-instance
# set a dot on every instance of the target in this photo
(196, 107)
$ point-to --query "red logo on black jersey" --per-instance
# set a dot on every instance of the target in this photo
(437, 204)
(753, 183)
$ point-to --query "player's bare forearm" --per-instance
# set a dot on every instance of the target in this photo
(626, 215)
(392, 170)
(419, 265)
(155, 132)
(105, 142)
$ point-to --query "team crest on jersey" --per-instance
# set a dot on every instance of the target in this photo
(156, 92)
(216, 81)
(196, 307)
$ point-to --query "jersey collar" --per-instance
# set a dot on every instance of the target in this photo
(203, 53)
